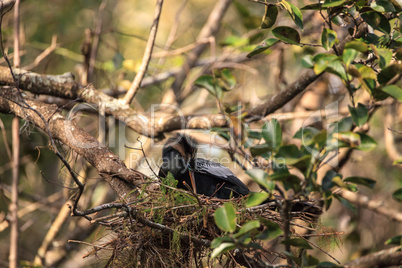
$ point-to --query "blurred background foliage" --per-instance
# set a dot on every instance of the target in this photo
(125, 30)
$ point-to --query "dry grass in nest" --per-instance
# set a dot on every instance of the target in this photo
(170, 227)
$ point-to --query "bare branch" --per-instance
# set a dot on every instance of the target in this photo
(147, 56)
(210, 28)
(374, 205)
(13, 208)
(384, 258)
(389, 140)
(304, 80)
(109, 166)
(95, 43)
(173, 30)
(14, 232)
(51, 234)
(43, 55)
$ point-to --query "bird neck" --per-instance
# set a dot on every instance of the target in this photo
(174, 161)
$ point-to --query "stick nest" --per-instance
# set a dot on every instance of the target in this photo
(169, 227)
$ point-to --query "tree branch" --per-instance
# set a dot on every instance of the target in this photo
(15, 125)
(374, 205)
(304, 80)
(384, 258)
(95, 43)
(210, 28)
(147, 56)
(121, 179)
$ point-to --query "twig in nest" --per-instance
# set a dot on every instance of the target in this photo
(199, 241)
(192, 193)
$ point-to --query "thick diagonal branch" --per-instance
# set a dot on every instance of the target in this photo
(109, 166)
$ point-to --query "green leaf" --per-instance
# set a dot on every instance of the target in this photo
(362, 181)
(260, 177)
(225, 218)
(209, 83)
(385, 57)
(294, 13)
(296, 16)
(350, 138)
(346, 203)
(327, 181)
(260, 150)
(396, 240)
(288, 180)
(297, 242)
(219, 240)
(348, 56)
(264, 45)
(398, 54)
(306, 135)
(382, 6)
(367, 143)
(343, 125)
(272, 133)
(309, 261)
(388, 73)
(251, 134)
(327, 200)
(273, 230)
(328, 38)
(307, 61)
(366, 72)
(255, 199)
(322, 61)
(333, 3)
(292, 155)
(393, 91)
(377, 20)
(359, 114)
(397, 195)
(224, 247)
(228, 80)
(314, 7)
(248, 227)
(357, 45)
(287, 34)
(336, 67)
(279, 167)
(270, 15)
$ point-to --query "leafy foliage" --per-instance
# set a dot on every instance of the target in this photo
(368, 62)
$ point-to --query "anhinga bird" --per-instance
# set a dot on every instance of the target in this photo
(210, 178)
(205, 177)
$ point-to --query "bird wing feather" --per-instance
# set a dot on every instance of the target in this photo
(217, 170)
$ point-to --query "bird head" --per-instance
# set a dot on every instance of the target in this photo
(184, 145)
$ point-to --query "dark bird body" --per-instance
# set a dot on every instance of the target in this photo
(209, 178)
